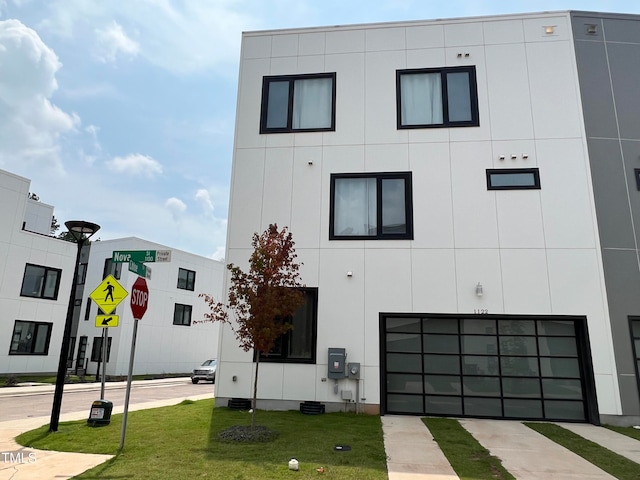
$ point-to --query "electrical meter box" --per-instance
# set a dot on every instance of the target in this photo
(337, 363)
(353, 369)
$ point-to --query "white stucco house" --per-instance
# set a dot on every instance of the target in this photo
(464, 196)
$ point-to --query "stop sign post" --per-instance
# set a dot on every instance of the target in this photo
(139, 298)
(139, 303)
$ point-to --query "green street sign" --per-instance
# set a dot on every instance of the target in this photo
(141, 256)
(140, 269)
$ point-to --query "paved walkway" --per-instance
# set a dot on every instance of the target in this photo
(412, 453)
(528, 455)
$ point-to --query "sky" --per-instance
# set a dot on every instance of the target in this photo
(122, 112)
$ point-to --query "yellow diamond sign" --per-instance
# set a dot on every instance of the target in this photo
(108, 294)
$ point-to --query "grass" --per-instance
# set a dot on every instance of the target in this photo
(469, 459)
(628, 431)
(180, 442)
(612, 463)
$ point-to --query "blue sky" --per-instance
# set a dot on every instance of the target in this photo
(122, 112)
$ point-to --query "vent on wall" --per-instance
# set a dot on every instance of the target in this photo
(591, 29)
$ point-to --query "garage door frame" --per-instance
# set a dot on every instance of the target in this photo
(583, 356)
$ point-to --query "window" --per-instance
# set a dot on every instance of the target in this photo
(636, 173)
(82, 352)
(72, 346)
(186, 279)
(111, 268)
(82, 273)
(182, 315)
(437, 97)
(298, 103)
(87, 310)
(30, 338)
(513, 179)
(96, 351)
(635, 339)
(298, 345)
(41, 282)
(372, 206)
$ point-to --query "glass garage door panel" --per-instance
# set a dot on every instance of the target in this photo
(482, 367)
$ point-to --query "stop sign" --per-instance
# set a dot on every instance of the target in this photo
(139, 298)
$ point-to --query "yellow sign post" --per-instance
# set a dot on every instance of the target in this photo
(105, 321)
(108, 295)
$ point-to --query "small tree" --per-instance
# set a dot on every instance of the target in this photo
(262, 299)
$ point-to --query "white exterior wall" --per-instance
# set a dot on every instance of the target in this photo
(535, 251)
(38, 217)
(161, 347)
(17, 248)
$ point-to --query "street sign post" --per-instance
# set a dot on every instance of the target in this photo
(141, 256)
(139, 303)
(108, 294)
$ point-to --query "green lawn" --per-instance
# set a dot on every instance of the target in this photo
(628, 431)
(180, 442)
(469, 459)
(612, 463)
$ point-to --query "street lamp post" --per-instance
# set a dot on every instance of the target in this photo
(81, 231)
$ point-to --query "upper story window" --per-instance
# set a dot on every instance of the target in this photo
(186, 279)
(111, 268)
(371, 206)
(182, 314)
(82, 273)
(298, 103)
(513, 179)
(437, 97)
(41, 282)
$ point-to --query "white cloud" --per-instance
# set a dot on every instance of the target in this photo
(30, 125)
(112, 41)
(183, 37)
(204, 198)
(176, 206)
(219, 253)
(135, 164)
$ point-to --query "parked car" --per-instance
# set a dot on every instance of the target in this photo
(206, 371)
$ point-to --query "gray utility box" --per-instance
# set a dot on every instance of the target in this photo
(337, 363)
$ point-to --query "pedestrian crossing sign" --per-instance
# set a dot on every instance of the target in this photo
(108, 294)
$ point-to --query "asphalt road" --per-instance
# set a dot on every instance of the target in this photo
(38, 404)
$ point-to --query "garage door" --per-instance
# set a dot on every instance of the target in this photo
(518, 367)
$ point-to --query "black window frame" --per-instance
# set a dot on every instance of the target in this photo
(379, 176)
(279, 354)
(636, 351)
(41, 293)
(33, 339)
(510, 171)
(82, 273)
(96, 349)
(189, 281)
(184, 308)
(291, 79)
(473, 97)
(111, 268)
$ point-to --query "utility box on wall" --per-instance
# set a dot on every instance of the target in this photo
(337, 361)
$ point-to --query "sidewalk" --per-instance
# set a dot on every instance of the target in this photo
(20, 463)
